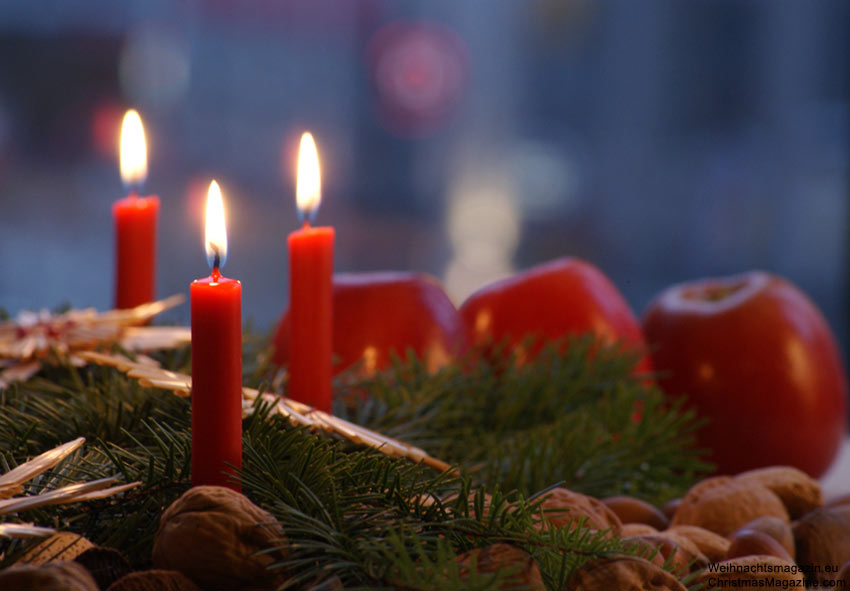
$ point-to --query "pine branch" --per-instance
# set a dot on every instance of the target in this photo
(568, 417)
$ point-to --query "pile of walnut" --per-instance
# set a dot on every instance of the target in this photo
(766, 528)
(210, 539)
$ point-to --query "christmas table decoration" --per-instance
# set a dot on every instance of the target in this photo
(526, 450)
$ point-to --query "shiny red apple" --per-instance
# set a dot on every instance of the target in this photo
(752, 354)
(377, 315)
(562, 297)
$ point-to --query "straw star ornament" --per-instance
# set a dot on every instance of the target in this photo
(34, 338)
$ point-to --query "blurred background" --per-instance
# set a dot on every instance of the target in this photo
(662, 141)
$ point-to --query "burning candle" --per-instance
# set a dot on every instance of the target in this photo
(216, 360)
(310, 271)
(135, 221)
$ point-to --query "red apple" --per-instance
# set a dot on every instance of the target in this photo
(378, 314)
(548, 301)
(756, 358)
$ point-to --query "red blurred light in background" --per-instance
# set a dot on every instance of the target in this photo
(106, 128)
(419, 71)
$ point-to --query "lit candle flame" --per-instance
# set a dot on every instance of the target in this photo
(215, 234)
(308, 183)
(133, 151)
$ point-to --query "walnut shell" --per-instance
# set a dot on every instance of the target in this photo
(682, 553)
(843, 576)
(822, 539)
(154, 580)
(712, 545)
(688, 549)
(746, 542)
(797, 490)
(748, 572)
(658, 550)
(53, 576)
(634, 510)
(630, 530)
(523, 569)
(776, 529)
(564, 507)
(212, 535)
(723, 504)
(623, 573)
(487, 499)
(106, 565)
(63, 545)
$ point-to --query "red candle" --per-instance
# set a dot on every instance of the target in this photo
(135, 221)
(216, 361)
(310, 294)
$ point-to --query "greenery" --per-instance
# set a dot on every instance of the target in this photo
(573, 417)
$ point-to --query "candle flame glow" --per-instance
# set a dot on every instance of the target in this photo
(215, 235)
(133, 151)
(308, 184)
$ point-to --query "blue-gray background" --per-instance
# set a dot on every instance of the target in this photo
(663, 141)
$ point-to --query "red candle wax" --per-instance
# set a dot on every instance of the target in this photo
(135, 249)
(216, 361)
(311, 269)
(216, 379)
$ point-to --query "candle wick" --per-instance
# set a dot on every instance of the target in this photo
(216, 274)
(216, 256)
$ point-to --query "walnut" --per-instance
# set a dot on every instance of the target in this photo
(563, 507)
(748, 572)
(842, 577)
(798, 491)
(630, 530)
(154, 580)
(746, 542)
(62, 545)
(487, 499)
(679, 550)
(723, 504)
(633, 510)
(54, 576)
(213, 535)
(519, 566)
(623, 573)
(776, 529)
(712, 545)
(822, 539)
(106, 565)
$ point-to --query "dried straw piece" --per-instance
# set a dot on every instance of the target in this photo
(11, 484)
(38, 465)
(24, 530)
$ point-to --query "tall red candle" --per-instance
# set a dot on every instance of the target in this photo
(216, 361)
(135, 222)
(310, 299)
